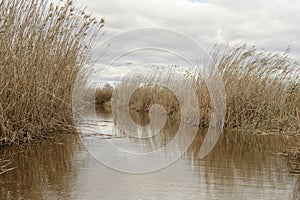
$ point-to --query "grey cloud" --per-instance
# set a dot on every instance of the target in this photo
(272, 25)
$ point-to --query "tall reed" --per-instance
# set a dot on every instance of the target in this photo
(262, 90)
(42, 47)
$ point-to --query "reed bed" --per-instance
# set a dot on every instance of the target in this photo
(103, 95)
(262, 90)
(42, 47)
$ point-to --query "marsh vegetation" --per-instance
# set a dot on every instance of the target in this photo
(42, 47)
(262, 91)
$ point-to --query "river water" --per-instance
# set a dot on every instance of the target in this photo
(241, 166)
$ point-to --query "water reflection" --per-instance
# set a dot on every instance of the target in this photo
(45, 168)
(241, 166)
(296, 193)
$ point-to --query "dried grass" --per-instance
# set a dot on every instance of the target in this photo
(262, 91)
(42, 47)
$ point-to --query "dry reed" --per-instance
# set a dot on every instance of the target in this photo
(42, 47)
(262, 91)
(103, 95)
(5, 166)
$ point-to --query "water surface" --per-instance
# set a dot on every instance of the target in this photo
(241, 166)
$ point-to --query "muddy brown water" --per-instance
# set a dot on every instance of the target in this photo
(241, 166)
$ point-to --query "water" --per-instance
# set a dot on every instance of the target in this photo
(241, 166)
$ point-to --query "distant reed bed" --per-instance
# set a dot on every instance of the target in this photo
(42, 47)
(262, 91)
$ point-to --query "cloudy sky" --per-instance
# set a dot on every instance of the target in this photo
(269, 24)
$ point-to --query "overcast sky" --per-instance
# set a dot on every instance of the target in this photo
(269, 24)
